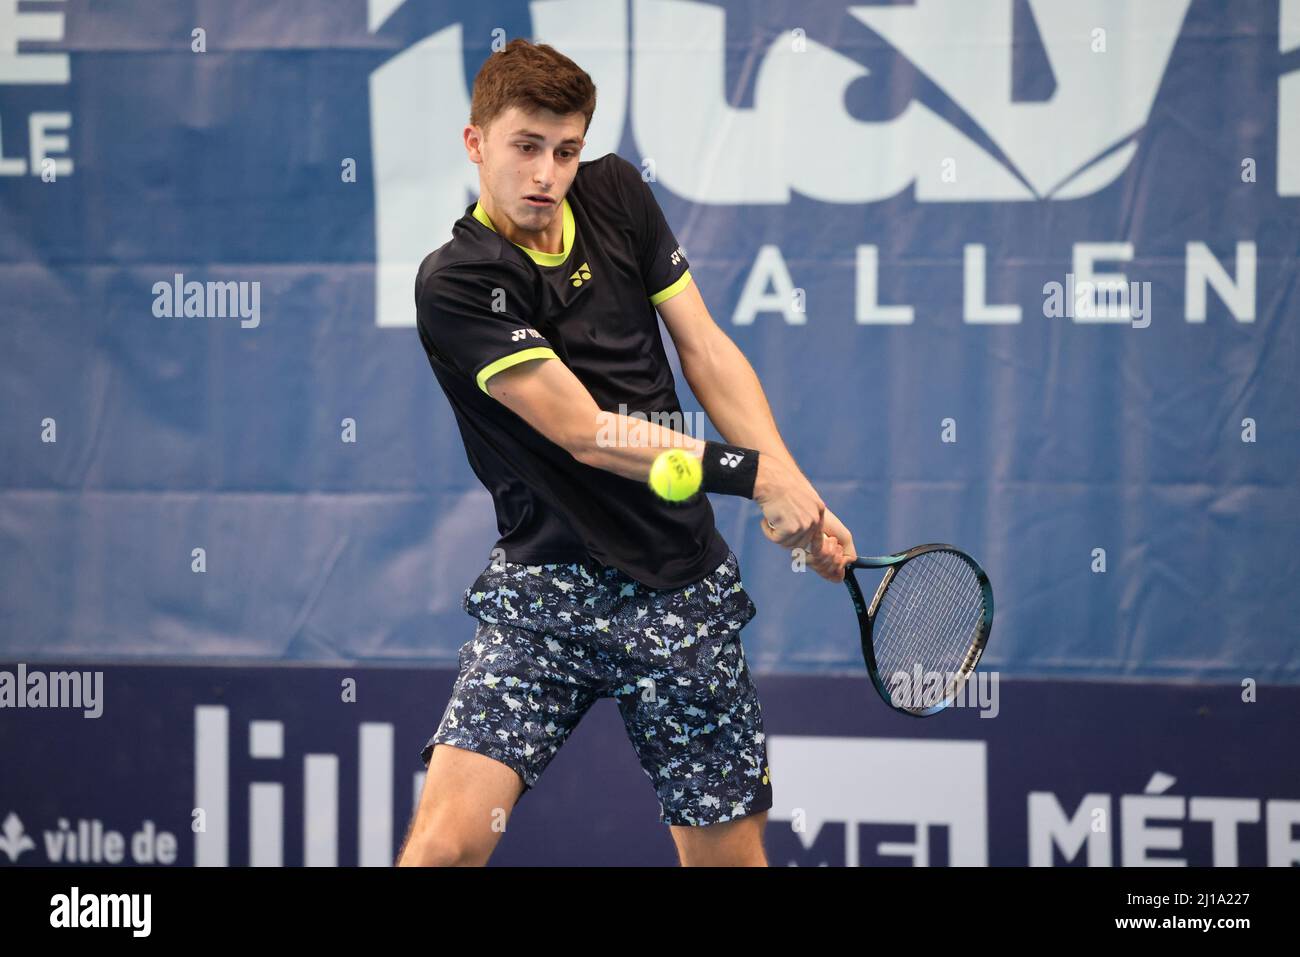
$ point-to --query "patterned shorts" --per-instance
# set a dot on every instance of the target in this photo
(553, 639)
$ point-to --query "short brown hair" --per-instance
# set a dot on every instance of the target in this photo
(531, 76)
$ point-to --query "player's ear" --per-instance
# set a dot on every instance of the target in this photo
(473, 137)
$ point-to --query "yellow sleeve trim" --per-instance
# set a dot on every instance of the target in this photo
(672, 290)
(505, 362)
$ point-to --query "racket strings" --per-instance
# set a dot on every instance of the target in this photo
(926, 627)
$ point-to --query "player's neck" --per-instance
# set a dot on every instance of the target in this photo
(550, 240)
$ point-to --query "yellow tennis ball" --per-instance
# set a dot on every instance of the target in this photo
(676, 475)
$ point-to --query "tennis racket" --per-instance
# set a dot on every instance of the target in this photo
(926, 628)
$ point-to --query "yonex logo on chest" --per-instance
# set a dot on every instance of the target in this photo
(581, 276)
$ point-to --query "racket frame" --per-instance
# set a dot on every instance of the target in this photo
(867, 619)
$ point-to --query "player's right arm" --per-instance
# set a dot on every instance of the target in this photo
(550, 398)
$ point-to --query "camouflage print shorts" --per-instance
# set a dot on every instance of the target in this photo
(553, 639)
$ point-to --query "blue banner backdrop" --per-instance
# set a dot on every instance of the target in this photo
(894, 209)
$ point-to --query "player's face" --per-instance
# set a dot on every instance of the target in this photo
(528, 162)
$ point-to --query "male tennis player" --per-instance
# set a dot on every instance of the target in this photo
(538, 317)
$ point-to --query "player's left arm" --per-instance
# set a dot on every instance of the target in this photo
(728, 388)
(721, 377)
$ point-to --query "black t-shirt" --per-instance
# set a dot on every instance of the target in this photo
(485, 304)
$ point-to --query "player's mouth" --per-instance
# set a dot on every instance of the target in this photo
(540, 200)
